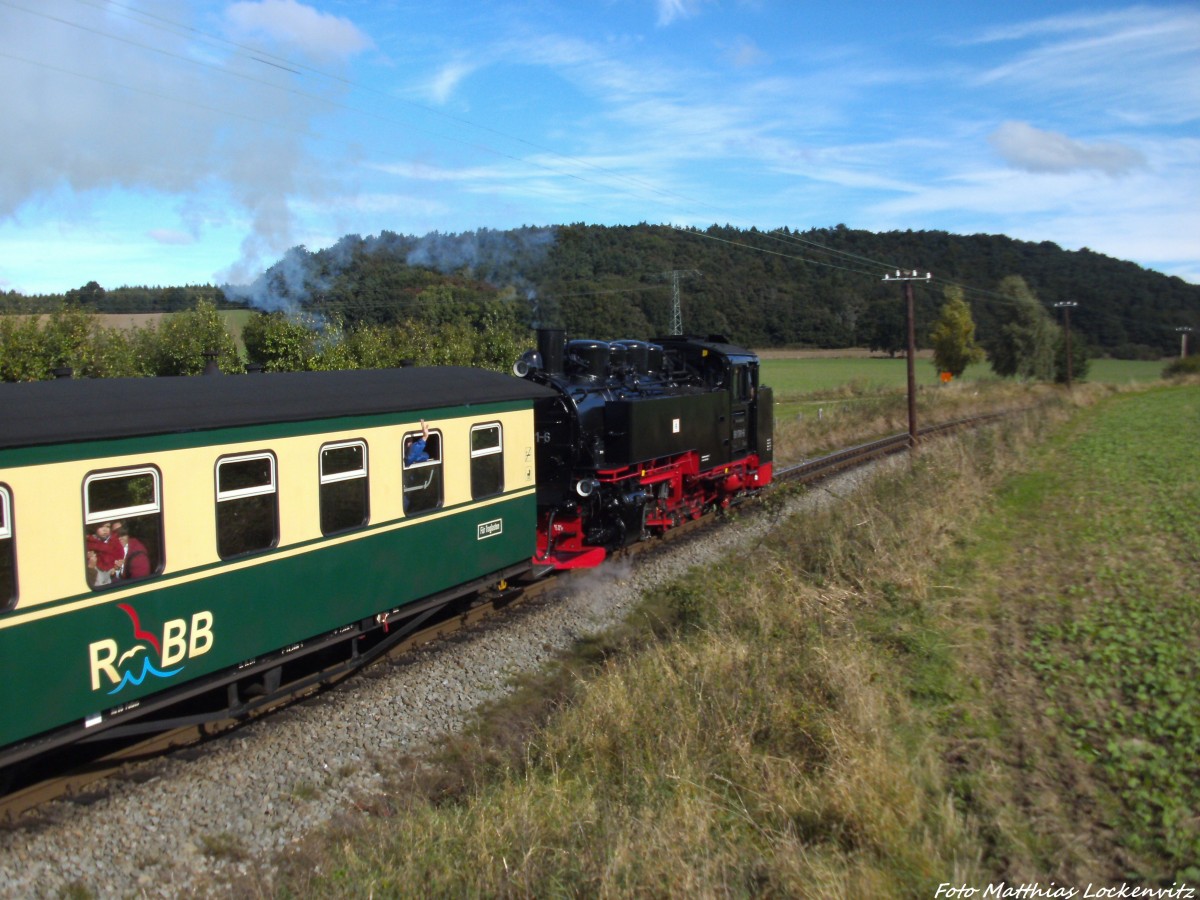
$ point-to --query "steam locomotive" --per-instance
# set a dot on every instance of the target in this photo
(640, 437)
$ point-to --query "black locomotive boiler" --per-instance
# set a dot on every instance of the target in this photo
(641, 436)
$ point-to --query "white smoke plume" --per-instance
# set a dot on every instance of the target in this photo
(496, 257)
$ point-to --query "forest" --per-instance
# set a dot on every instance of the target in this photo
(817, 288)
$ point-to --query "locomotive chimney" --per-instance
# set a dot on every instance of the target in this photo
(551, 344)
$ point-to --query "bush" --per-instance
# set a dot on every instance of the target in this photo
(1188, 365)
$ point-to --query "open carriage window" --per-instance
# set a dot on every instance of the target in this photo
(344, 497)
(487, 460)
(8, 556)
(122, 525)
(247, 504)
(422, 471)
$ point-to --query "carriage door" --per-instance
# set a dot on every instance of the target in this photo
(742, 391)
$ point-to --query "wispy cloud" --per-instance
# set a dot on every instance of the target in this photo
(742, 53)
(670, 10)
(1138, 65)
(170, 236)
(448, 78)
(296, 26)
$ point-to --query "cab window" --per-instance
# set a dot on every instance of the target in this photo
(247, 504)
(344, 496)
(422, 466)
(122, 526)
(8, 556)
(487, 460)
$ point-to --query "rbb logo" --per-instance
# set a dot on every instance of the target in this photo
(149, 655)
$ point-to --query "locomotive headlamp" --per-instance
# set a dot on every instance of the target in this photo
(530, 361)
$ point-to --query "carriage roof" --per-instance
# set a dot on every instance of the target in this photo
(70, 410)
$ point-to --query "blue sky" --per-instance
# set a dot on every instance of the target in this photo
(179, 141)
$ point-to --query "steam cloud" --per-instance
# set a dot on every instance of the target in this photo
(487, 254)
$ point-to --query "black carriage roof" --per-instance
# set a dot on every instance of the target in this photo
(68, 410)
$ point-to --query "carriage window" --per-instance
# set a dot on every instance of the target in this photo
(247, 508)
(344, 501)
(122, 526)
(422, 471)
(487, 461)
(8, 557)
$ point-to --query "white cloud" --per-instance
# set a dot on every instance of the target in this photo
(296, 26)
(1034, 150)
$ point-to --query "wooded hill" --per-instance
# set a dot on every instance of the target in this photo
(817, 288)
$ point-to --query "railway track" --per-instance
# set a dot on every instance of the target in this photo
(406, 630)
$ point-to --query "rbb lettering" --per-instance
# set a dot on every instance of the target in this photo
(179, 642)
(176, 648)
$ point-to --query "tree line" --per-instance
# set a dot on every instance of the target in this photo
(389, 298)
(71, 340)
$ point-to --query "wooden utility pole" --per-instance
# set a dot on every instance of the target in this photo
(1066, 306)
(912, 348)
(1184, 331)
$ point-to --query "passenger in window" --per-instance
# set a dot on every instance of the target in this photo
(95, 576)
(136, 562)
(108, 549)
(414, 448)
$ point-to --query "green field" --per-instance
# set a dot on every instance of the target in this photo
(235, 321)
(1104, 572)
(793, 378)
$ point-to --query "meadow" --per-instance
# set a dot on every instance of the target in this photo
(800, 375)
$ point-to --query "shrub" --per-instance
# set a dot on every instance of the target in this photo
(1188, 365)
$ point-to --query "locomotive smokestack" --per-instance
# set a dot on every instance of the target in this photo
(551, 344)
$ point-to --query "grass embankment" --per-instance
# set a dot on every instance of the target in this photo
(920, 684)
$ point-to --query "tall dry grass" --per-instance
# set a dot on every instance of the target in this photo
(852, 415)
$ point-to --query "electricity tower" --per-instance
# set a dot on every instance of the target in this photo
(676, 310)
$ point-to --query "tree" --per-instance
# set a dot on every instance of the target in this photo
(953, 335)
(1025, 344)
(280, 342)
(180, 345)
(32, 347)
(91, 294)
(1080, 359)
(885, 324)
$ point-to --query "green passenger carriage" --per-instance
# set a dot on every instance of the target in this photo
(267, 518)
